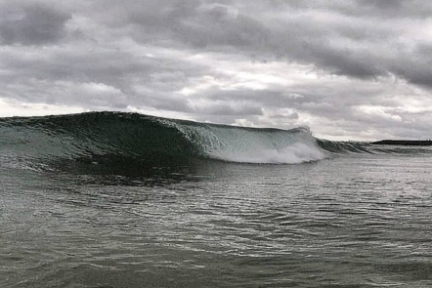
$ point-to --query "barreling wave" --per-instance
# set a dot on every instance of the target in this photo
(153, 139)
(148, 137)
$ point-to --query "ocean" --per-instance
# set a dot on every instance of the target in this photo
(108, 199)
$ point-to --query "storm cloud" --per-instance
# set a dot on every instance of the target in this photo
(356, 69)
(29, 24)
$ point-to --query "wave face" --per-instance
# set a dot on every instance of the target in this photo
(128, 139)
(151, 138)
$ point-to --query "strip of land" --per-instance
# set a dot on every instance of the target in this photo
(404, 142)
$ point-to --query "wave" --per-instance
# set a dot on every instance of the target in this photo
(152, 138)
(137, 137)
(343, 147)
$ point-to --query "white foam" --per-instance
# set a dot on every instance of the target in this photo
(292, 154)
(248, 145)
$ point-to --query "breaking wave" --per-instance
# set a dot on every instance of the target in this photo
(102, 135)
(152, 138)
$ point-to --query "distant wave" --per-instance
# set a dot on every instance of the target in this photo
(148, 138)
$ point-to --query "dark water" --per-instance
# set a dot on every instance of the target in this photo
(77, 212)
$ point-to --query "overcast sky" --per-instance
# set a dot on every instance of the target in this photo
(358, 70)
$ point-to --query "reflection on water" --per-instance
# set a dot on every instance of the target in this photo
(113, 222)
(125, 170)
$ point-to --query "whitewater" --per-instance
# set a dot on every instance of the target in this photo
(107, 199)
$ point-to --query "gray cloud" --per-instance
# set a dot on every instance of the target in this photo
(349, 69)
(343, 45)
(31, 24)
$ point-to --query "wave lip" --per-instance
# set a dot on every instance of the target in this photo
(255, 145)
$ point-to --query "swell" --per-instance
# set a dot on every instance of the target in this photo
(148, 138)
(342, 147)
(127, 139)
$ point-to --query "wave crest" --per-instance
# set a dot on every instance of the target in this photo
(152, 138)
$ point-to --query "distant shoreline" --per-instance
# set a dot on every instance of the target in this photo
(404, 142)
